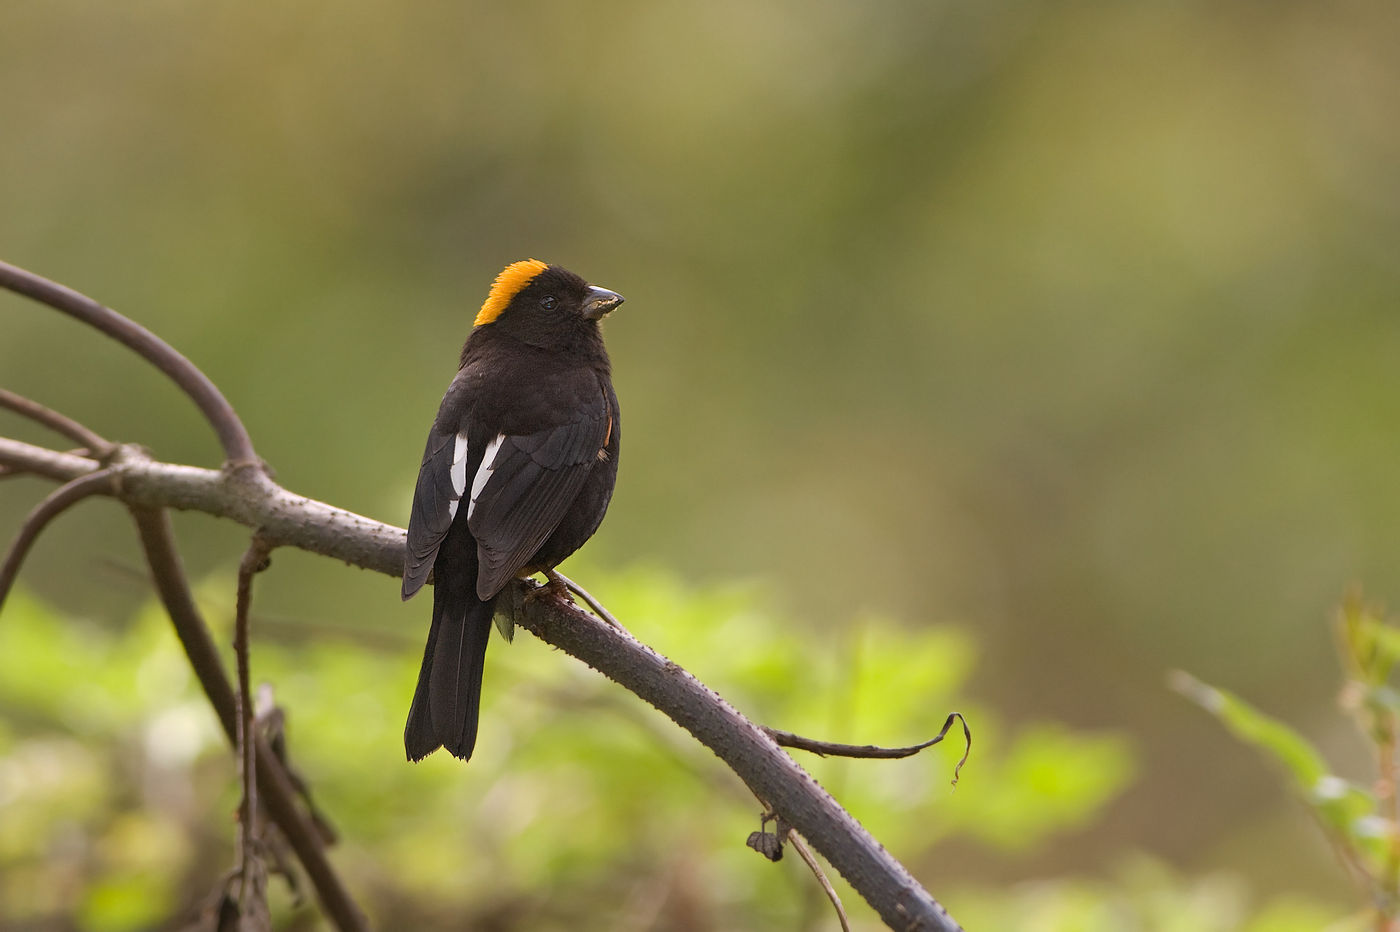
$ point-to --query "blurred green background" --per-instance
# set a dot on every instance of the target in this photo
(1011, 353)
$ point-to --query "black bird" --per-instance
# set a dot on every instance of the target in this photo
(518, 472)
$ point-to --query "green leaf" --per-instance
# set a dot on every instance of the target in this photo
(1350, 811)
(1268, 734)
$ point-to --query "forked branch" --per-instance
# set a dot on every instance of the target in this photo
(238, 446)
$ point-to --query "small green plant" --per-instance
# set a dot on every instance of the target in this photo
(1362, 822)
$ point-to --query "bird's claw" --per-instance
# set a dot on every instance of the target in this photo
(554, 587)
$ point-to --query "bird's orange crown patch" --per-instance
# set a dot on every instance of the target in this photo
(508, 284)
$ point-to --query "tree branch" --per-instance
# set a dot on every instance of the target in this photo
(246, 496)
(238, 446)
(769, 772)
(283, 518)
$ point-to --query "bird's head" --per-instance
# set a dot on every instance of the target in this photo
(544, 304)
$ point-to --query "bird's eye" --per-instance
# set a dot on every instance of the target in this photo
(548, 302)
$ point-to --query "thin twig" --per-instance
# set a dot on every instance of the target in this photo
(870, 751)
(770, 845)
(89, 440)
(254, 561)
(278, 794)
(593, 603)
(806, 855)
(238, 446)
(30, 460)
(59, 501)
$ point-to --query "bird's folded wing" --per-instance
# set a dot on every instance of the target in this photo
(522, 490)
(434, 505)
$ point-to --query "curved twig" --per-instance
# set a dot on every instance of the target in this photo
(91, 441)
(806, 855)
(593, 603)
(870, 751)
(59, 501)
(238, 446)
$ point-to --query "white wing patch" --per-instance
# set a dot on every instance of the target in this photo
(459, 465)
(459, 472)
(483, 472)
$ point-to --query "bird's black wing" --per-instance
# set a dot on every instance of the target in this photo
(434, 505)
(524, 486)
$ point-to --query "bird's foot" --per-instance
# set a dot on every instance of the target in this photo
(554, 586)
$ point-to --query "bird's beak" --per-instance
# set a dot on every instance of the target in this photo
(600, 302)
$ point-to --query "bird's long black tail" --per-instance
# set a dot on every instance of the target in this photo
(448, 698)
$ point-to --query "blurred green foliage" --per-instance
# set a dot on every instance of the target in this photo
(582, 809)
(1144, 896)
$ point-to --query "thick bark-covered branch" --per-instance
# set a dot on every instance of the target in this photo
(282, 518)
(244, 494)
